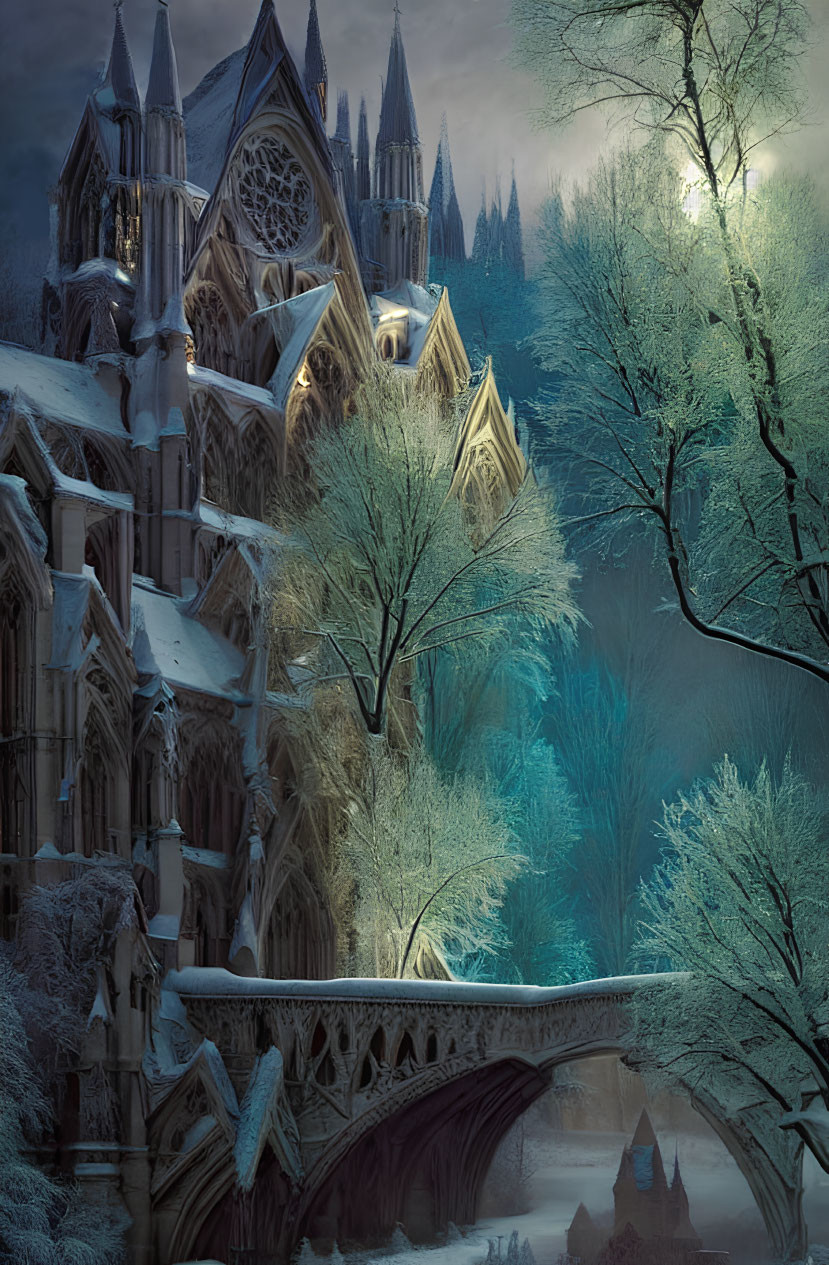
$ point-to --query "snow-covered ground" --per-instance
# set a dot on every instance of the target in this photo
(570, 1167)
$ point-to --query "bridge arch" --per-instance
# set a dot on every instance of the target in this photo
(412, 1142)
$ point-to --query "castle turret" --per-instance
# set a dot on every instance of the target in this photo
(394, 225)
(316, 70)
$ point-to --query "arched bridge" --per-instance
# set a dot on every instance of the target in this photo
(336, 1109)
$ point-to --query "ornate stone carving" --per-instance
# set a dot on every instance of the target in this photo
(275, 194)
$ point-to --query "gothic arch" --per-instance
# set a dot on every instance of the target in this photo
(299, 932)
(259, 466)
(212, 791)
(214, 333)
(102, 770)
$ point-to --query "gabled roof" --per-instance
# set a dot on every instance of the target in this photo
(487, 426)
(60, 390)
(296, 321)
(266, 1116)
(398, 124)
(166, 642)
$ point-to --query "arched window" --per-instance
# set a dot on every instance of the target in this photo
(212, 795)
(213, 336)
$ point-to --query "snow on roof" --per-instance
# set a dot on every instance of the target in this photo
(414, 303)
(232, 388)
(259, 1119)
(86, 491)
(208, 114)
(214, 981)
(163, 927)
(166, 641)
(13, 490)
(236, 525)
(60, 390)
(296, 321)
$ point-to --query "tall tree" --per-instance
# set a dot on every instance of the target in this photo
(712, 79)
(739, 904)
(430, 857)
(386, 565)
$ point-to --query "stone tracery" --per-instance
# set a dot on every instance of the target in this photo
(275, 193)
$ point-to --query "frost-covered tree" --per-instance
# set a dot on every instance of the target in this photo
(387, 565)
(706, 332)
(430, 857)
(543, 944)
(607, 732)
(42, 1221)
(480, 714)
(740, 905)
(66, 935)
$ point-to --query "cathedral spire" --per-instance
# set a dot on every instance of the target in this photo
(343, 132)
(513, 240)
(316, 70)
(398, 125)
(118, 89)
(363, 156)
(445, 222)
(163, 91)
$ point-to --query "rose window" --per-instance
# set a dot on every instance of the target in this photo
(275, 194)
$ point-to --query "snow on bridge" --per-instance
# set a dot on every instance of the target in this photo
(341, 1108)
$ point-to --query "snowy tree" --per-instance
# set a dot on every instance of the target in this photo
(740, 905)
(42, 1221)
(387, 566)
(66, 935)
(431, 857)
(705, 326)
(543, 945)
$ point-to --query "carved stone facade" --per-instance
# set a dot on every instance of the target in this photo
(204, 312)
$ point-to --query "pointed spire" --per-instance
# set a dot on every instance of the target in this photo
(398, 125)
(480, 244)
(343, 132)
(445, 222)
(644, 1135)
(363, 156)
(316, 70)
(513, 238)
(163, 91)
(120, 77)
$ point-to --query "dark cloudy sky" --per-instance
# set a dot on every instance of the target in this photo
(458, 55)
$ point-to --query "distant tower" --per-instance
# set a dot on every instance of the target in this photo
(343, 159)
(316, 71)
(480, 244)
(363, 174)
(445, 222)
(513, 241)
(394, 225)
(495, 243)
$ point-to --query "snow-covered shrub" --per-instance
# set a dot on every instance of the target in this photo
(42, 1221)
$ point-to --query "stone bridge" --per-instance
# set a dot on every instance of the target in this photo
(338, 1109)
